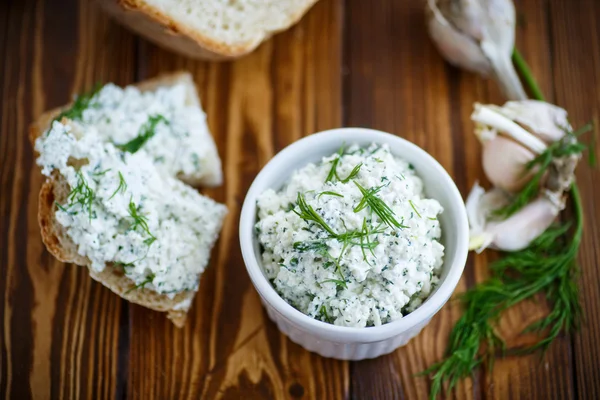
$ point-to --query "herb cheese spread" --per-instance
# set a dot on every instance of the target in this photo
(166, 123)
(125, 209)
(352, 240)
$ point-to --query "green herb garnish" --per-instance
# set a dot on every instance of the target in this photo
(142, 284)
(308, 213)
(564, 147)
(122, 186)
(415, 208)
(141, 221)
(338, 282)
(329, 193)
(147, 131)
(81, 103)
(333, 174)
(318, 247)
(324, 316)
(82, 194)
(334, 163)
(548, 266)
(378, 206)
(352, 174)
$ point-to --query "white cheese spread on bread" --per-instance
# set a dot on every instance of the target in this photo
(126, 208)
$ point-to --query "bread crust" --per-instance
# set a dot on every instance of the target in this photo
(163, 30)
(56, 240)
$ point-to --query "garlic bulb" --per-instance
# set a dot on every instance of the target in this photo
(512, 135)
(514, 233)
(478, 35)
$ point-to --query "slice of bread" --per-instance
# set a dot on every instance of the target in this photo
(62, 247)
(207, 29)
(55, 237)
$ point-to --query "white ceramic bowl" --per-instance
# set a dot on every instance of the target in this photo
(345, 342)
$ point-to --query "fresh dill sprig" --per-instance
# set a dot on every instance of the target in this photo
(338, 282)
(367, 240)
(414, 208)
(122, 186)
(352, 174)
(334, 163)
(147, 131)
(122, 265)
(329, 193)
(142, 284)
(81, 103)
(333, 174)
(378, 206)
(548, 266)
(324, 316)
(566, 146)
(100, 173)
(316, 246)
(82, 194)
(141, 221)
(308, 213)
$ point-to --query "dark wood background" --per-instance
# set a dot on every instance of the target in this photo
(347, 63)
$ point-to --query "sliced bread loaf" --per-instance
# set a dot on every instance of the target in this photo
(208, 29)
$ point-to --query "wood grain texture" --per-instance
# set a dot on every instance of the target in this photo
(348, 62)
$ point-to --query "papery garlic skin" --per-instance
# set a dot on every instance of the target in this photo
(504, 163)
(491, 121)
(458, 46)
(514, 233)
(478, 35)
(546, 121)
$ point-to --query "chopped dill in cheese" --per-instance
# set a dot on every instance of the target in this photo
(163, 123)
(352, 240)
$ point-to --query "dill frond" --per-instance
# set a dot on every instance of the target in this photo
(141, 221)
(308, 213)
(122, 186)
(142, 284)
(378, 206)
(81, 103)
(329, 193)
(82, 194)
(147, 131)
(566, 146)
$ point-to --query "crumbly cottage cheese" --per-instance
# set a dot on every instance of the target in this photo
(181, 143)
(126, 210)
(352, 240)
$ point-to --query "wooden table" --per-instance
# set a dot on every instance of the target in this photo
(347, 63)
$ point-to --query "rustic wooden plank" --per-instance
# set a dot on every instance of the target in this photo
(289, 87)
(575, 29)
(60, 336)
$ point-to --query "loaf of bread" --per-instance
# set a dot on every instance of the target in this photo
(189, 213)
(207, 29)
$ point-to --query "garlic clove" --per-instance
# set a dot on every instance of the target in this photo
(480, 205)
(493, 120)
(547, 121)
(504, 163)
(519, 230)
(478, 35)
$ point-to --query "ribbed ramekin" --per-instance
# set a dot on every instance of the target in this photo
(338, 341)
